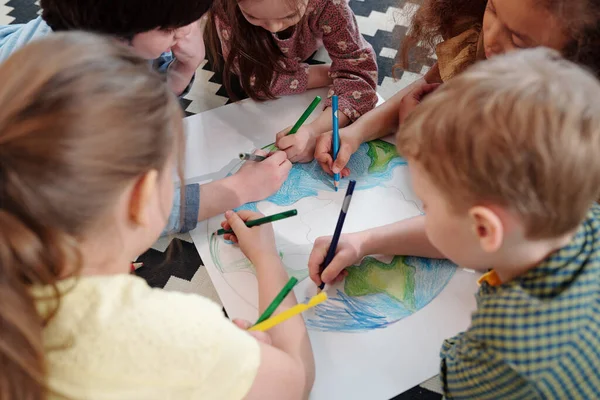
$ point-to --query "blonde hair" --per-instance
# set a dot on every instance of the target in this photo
(521, 131)
(80, 118)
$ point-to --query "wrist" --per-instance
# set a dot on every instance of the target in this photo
(364, 240)
(352, 135)
(238, 187)
(265, 259)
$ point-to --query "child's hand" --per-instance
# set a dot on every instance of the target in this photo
(299, 147)
(348, 252)
(259, 180)
(189, 47)
(323, 149)
(414, 98)
(318, 76)
(263, 337)
(255, 242)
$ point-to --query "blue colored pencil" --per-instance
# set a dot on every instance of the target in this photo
(338, 229)
(336, 137)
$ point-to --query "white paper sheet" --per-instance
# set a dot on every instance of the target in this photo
(354, 360)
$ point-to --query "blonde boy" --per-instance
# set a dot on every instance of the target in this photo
(506, 159)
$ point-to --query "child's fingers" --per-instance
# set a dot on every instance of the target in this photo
(235, 221)
(334, 268)
(282, 134)
(325, 167)
(260, 152)
(247, 215)
(286, 166)
(277, 158)
(345, 172)
(263, 337)
(342, 158)
(341, 276)
(286, 142)
(242, 323)
(323, 146)
(316, 258)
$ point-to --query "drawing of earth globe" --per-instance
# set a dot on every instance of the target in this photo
(379, 291)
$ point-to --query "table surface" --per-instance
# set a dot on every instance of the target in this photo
(247, 125)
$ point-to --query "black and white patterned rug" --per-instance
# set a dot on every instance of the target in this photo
(383, 24)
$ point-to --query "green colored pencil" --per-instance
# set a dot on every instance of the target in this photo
(305, 116)
(309, 110)
(278, 300)
(263, 220)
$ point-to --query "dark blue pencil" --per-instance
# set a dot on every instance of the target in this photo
(338, 229)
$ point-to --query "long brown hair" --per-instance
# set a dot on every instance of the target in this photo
(80, 118)
(435, 20)
(253, 55)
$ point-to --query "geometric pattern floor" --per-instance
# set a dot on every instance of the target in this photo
(383, 23)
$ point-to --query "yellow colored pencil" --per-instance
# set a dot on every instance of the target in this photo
(289, 313)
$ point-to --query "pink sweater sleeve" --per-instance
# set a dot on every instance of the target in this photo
(354, 67)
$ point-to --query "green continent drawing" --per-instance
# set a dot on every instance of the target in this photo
(380, 153)
(396, 279)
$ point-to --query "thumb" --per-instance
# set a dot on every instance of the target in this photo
(262, 337)
(281, 134)
(336, 266)
(234, 220)
(242, 323)
(342, 158)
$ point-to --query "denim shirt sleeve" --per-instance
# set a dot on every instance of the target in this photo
(13, 37)
(162, 64)
(191, 205)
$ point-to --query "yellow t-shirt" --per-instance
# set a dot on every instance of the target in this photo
(114, 337)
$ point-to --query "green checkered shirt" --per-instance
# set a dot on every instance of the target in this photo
(537, 336)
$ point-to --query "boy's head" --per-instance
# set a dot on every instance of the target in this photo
(159, 21)
(504, 154)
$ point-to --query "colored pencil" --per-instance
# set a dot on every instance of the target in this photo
(336, 137)
(338, 229)
(277, 300)
(309, 110)
(251, 157)
(263, 220)
(289, 313)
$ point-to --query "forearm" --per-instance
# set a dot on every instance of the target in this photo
(381, 121)
(324, 122)
(291, 336)
(219, 196)
(406, 237)
(179, 76)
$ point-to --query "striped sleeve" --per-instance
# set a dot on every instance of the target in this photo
(470, 370)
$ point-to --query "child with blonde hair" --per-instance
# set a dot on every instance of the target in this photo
(168, 35)
(505, 160)
(88, 148)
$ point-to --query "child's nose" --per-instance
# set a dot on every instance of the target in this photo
(273, 26)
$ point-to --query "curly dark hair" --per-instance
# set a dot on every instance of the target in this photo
(435, 19)
(121, 18)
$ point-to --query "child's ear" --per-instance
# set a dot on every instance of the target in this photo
(141, 197)
(488, 227)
